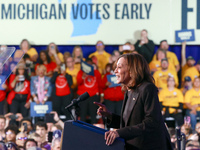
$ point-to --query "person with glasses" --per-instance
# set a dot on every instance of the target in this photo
(20, 139)
(11, 132)
(102, 56)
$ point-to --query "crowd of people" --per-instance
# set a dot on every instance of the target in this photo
(57, 77)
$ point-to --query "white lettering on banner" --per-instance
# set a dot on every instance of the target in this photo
(114, 79)
(41, 109)
(185, 35)
(86, 68)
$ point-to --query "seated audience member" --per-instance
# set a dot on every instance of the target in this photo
(127, 48)
(77, 55)
(45, 60)
(192, 101)
(102, 56)
(155, 65)
(192, 72)
(170, 55)
(25, 48)
(18, 98)
(2, 127)
(11, 146)
(26, 122)
(186, 63)
(172, 101)
(71, 70)
(40, 86)
(54, 53)
(11, 132)
(56, 144)
(30, 143)
(20, 139)
(90, 84)
(187, 85)
(41, 129)
(63, 92)
(145, 46)
(113, 96)
(161, 76)
(36, 137)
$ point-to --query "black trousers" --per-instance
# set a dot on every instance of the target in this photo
(88, 108)
(18, 103)
(59, 104)
(114, 106)
(2, 107)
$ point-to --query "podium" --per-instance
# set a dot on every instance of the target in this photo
(78, 135)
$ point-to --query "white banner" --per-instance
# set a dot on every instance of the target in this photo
(86, 21)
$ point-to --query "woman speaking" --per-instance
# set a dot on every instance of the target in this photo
(141, 123)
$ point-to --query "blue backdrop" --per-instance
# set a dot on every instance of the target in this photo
(191, 50)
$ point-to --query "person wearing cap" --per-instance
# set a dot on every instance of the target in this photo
(161, 76)
(189, 63)
(187, 85)
(155, 65)
(192, 101)
(192, 72)
(170, 55)
(18, 98)
(171, 99)
(186, 62)
(102, 56)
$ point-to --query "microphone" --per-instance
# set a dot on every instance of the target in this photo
(81, 98)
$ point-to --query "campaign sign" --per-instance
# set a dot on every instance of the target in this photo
(113, 80)
(87, 68)
(184, 35)
(2, 81)
(39, 110)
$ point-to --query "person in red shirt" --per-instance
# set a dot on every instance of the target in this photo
(63, 92)
(90, 84)
(113, 96)
(45, 60)
(18, 98)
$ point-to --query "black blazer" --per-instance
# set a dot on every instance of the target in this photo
(143, 127)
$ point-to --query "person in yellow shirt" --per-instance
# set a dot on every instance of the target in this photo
(101, 55)
(155, 65)
(170, 55)
(25, 48)
(161, 76)
(192, 101)
(192, 72)
(54, 53)
(186, 63)
(71, 70)
(172, 101)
